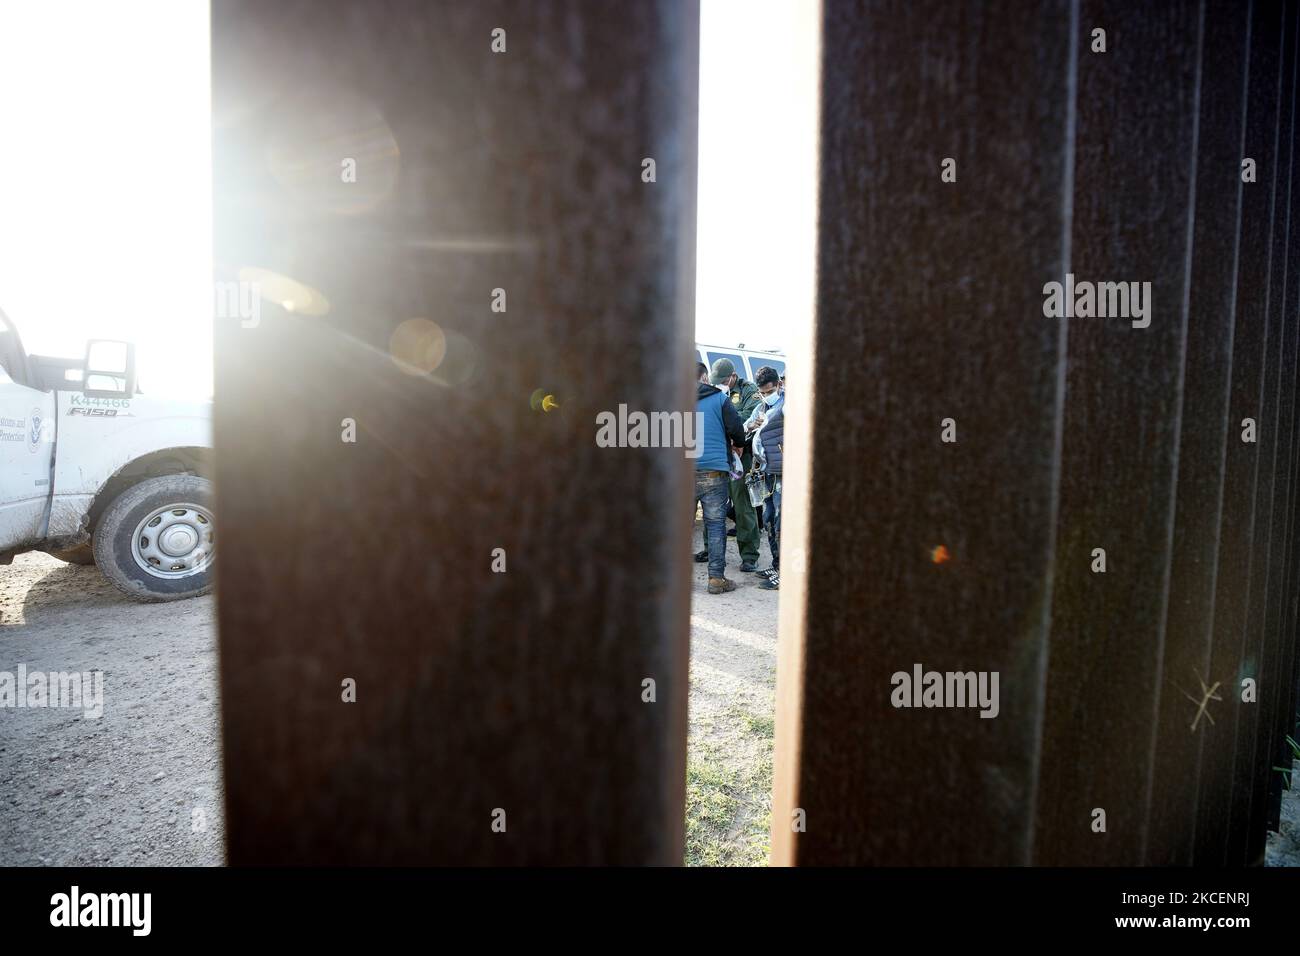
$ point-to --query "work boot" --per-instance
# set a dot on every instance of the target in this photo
(749, 566)
(701, 556)
(721, 585)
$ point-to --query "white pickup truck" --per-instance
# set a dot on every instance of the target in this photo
(92, 472)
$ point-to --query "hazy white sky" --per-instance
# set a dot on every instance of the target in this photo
(105, 195)
(758, 171)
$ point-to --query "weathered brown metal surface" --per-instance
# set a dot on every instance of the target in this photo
(1134, 174)
(1204, 435)
(1237, 527)
(929, 307)
(1255, 758)
(476, 170)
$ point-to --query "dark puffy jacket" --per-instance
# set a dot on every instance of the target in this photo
(772, 437)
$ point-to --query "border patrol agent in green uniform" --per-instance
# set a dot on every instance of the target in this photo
(744, 397)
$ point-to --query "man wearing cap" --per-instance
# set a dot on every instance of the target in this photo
(744, 398)
(722, 429)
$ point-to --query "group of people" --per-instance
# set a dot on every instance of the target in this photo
(744, 427)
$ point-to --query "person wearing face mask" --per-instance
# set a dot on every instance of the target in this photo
(767, 426)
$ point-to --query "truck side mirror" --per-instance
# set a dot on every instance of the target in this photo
(109, 370)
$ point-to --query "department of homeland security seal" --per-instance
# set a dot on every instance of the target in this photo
(34, 431)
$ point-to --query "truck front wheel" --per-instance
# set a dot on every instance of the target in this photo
(156, 540)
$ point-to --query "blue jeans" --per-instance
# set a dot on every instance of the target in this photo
(713, 491)
(772, 517)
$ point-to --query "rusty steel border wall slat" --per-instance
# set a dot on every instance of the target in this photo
(475, 170)
(929, 314)
(1135, 172)
(1256, 757)
(1276, 726)
(1199, 500)
(1237, 528)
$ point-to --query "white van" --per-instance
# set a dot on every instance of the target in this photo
(747, 361)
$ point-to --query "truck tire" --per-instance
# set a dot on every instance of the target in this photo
(156, 542)
(81, 554)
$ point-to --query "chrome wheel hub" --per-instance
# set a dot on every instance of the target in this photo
(174, 542)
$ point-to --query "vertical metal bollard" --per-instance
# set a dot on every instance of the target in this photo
(1134, 173)
(1205, 434)
(917, 550)
(1242, 457)
(459, 255)
(1256, 753)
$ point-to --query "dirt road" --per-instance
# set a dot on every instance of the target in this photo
(142, 783)
(733, 697)
(139, 785)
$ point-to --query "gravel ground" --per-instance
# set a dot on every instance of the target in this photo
(140, 785)
(733, 699)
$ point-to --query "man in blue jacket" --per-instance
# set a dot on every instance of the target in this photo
(722, 430)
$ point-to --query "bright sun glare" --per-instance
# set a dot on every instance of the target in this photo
(105, 191)
(105, 183)
(758, 173)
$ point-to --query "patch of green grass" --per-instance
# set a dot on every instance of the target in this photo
(711, 805)
(760, 726)
(758, 832)
(729, 796)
